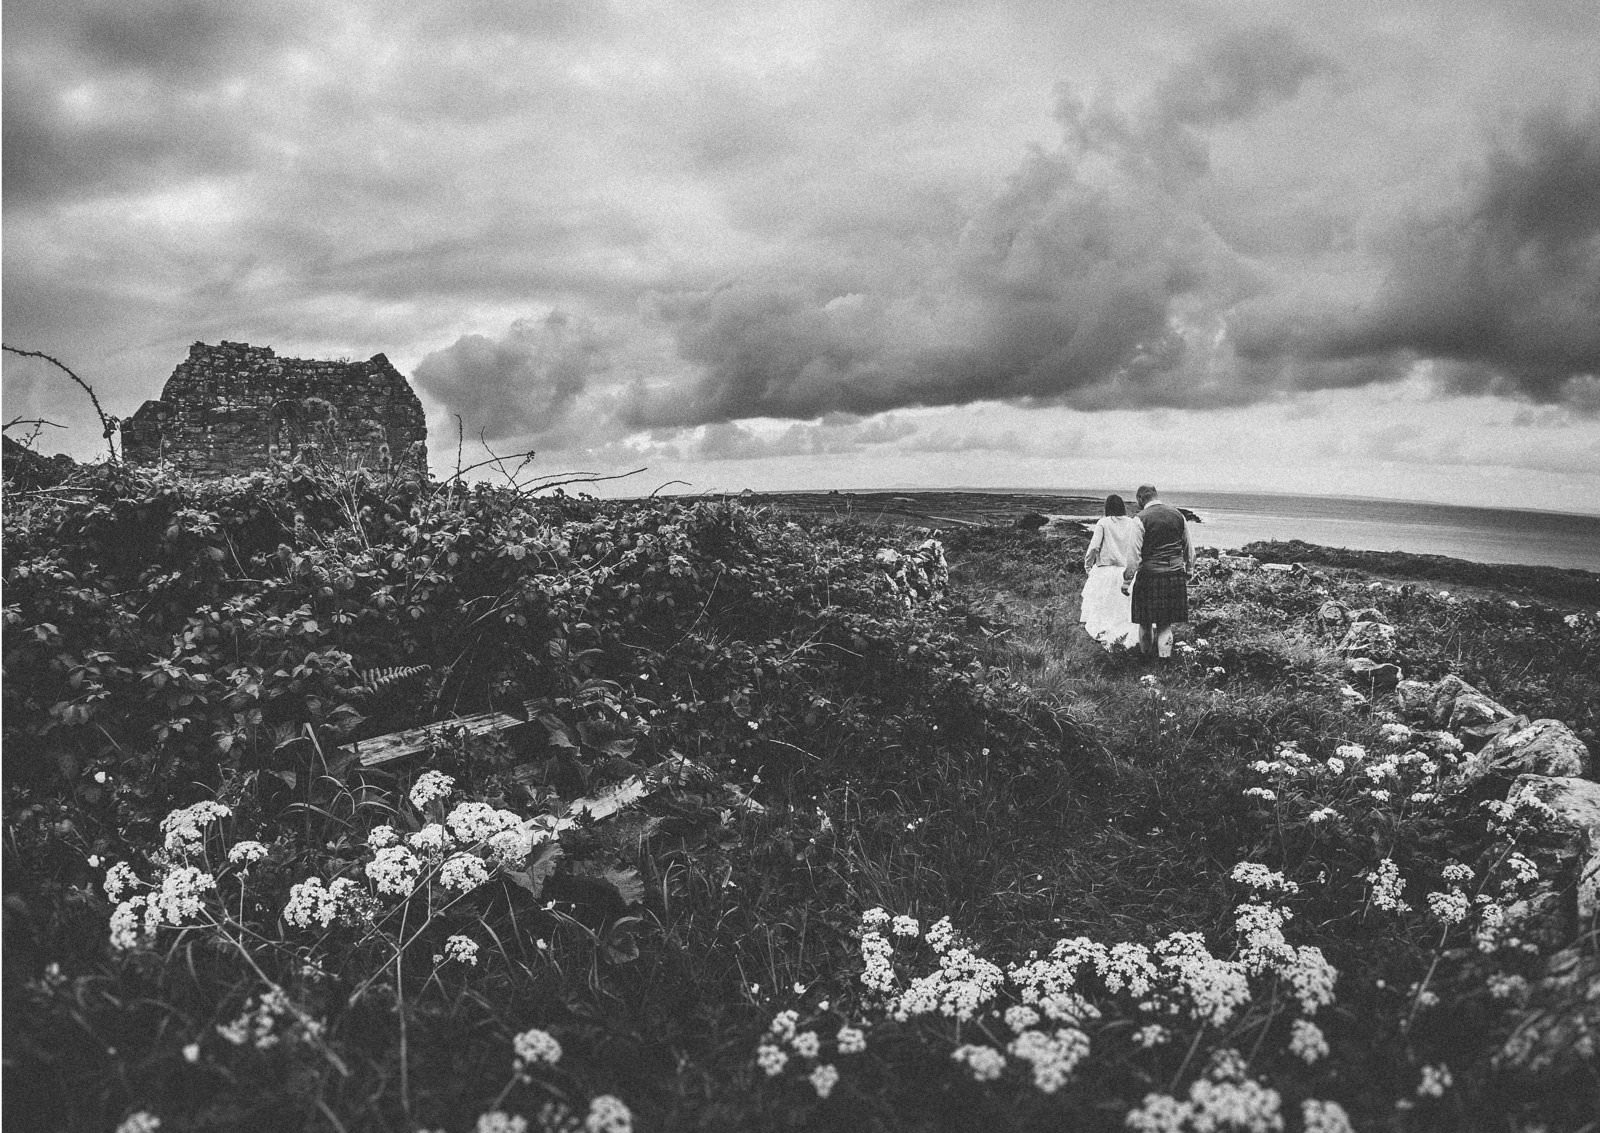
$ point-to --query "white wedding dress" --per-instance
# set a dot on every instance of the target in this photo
(1107, 612)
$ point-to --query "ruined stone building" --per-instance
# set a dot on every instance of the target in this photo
(234, 408)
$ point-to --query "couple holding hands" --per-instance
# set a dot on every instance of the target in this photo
(1138, 567)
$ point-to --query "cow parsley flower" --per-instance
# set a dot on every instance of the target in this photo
(183, 831)
(430, 787)
(309, 902)
(394, 871)
(461, 949)
(905, 926)
(509, 847)
(126, 920)
(1325, 1117)
(141, 1122)
(824, 1078)
(1262, 793)
(1387, 885)
(1053, 1057)
(382, 837)
(806, 1044)
(244, 853)
(1350, 753)
(851, 1040)
(608, 1114)
(772, 1059)
(464, 872)
(1395, 733)
(1450, 908)
(1159, 1113)
(875, 918)
(940, 935)
(1246, 1105)
(877, 965)
(984, 1063)
(1020, 1018)
(962, 984)
(534, 1047)
(1257, 876)
(499, 1121)
(1151, 1035)
(1321, 815)
(179, 897)
(1306, 1041)
(432, 839)
(1435, 1081)
(119, 879)
(478, 822)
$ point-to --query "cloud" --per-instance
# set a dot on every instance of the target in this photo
(524, 384)
(1502, 285)
(1090, 279)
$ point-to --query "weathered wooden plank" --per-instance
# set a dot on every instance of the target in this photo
(398, 745)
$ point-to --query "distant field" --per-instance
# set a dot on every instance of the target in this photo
(916, 509)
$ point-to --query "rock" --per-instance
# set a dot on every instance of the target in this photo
(1332, 617)
(1558, 1029)
(1415, 698)
(1543, 747)
(1238, 562)
(1457, 705)
(1031, 521)
(1572, 831)
(1370, 674)
(1369, 639)
(1369, 614)
(1279, 568)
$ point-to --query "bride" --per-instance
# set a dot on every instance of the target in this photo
(1107, 610)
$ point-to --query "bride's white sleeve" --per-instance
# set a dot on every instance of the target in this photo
(1092, 554)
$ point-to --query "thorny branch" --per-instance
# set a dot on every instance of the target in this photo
(108, 423)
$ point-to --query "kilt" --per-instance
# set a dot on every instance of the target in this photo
(1161, 599)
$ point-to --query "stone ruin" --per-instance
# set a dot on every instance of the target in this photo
(234, 408)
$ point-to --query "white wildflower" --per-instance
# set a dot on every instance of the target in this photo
(478, 822)
(1261, 793)
(1306, 1041)
(1053, 1057)
(179, 897)
(1020, 1018)
(499, 1121)
(394, 871)
(1151, 1035)
(125, 923)
(1450, 908)
(824, 1078)
(1321, 815)
(1435, 1081)
(464, 872)
(119, 879)
(141, 1122)
(772, 1059)
(1254, 875)
(310, 902)
(1325, 1117)
(940, 934)
(382, 837)
(432, 839)
(430, 787)
(905, 926)
(1387, 885)
(244, 853)
(183, 831)
(608, 1114)
(534, 1047)
(851, 1040)
(461, 949)
(984, 1063)
(806, 1044)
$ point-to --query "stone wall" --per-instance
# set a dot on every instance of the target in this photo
(234, 408)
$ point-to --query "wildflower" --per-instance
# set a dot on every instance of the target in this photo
(119, 879)
(806, 1044)
(1126, 966)
(244, 853)
(1387, 885)
(1159, 1113)
(1149, 680)
(179, 896)
(1257, 876)
(257, 1024)
(183, 830)
(1216, 989)
(1325, 1117)
(1435, 1081)
(125, 921)
(962, 984)
(499, 1121)
(1261, 793)
(1508, 987)
(905, 926)
(1322, 814)
(1378, 794)
(309, 901)
(533, 1047)
(1450, 908)
(1350, 753)
(1020, 1018)
(783, 1024)
(608, 1114)
(1151, 1035)
(1491, 925)
(461, 949)
(394, 870)
(382, 837)
(464, 872)
(430, 787)
(984, 1063)
(191, 1052)
(1335, 765)
(478, 822)
(1053, 1057)
(874, 918)
(1242, 1105)
(877, 970)
(141, 1122)
(851, 1040)
(1522, 868)
(1306, 1041)
(772, 1059)
(824, 1078)
(431, 839)
(940, 935)
(1262, 943)
(1395, 733)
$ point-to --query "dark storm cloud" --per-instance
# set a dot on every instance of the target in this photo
(521, 385)
(1067, 287)
(1502, 286)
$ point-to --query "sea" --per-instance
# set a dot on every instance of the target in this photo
(1482, 534)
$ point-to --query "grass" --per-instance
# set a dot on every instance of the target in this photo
(1094, 796)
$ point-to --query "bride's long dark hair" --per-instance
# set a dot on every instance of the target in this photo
(1115, 505)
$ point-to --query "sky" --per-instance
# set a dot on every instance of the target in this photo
(1325, 246)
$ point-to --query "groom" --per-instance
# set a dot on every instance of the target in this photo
(1158, 572)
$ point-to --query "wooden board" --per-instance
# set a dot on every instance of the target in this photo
(398, 745)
